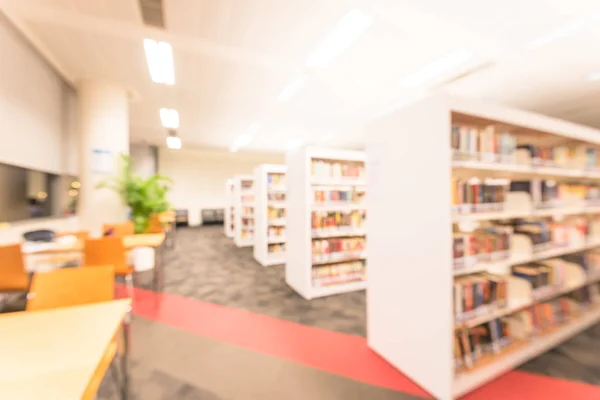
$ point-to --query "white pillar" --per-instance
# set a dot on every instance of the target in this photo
(103, 117)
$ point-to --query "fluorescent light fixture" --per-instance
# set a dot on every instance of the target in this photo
(245, 138)
(292, 87)
(567, 30)
(174, 142)
(594, 77)
(169, 118)
(159, 56)
(437, 68)
(347, 30)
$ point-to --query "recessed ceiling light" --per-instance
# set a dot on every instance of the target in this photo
(437, 68)
(292, 87)
(564, 31)
(347, 30)
(173, 141)
(159, 56)
(169, 118)
(594, 77)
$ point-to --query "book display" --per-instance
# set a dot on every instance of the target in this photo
(510, 268)
(270, 218)
(243, 210)
(229, 224)
(326, 246)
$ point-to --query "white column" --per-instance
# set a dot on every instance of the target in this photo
(103, 117)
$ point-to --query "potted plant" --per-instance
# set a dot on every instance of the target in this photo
(144, 197)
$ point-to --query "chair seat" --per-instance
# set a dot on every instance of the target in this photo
(14, 287)
(124, 271)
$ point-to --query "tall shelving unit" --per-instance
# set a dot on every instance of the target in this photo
(244, 210)
(418, 307)
(269, 213)
(325, 231)
(229, 225)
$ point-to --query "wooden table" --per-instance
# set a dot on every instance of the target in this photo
(55, 354)
(154, 240)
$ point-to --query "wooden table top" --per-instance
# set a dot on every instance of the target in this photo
(53, 354)
(129, 242)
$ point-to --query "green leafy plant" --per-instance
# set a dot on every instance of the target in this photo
(145, 197)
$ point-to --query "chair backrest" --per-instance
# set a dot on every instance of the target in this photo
(13, 276)
(71, 287)
(105, 251)
(118, 230)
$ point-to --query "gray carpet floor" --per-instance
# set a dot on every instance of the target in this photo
(208, 266)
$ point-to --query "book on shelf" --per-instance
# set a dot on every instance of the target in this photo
(473, 195)
(276, 248)
(339, 273)
(337, 169)
(478, 294)
(338, 220)
(275, 213)
(275, 179)
(321, 196)
(482, 144)
(472, 344)
(276, 231)
(488, 244)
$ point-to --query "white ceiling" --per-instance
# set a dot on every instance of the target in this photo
(233, 57)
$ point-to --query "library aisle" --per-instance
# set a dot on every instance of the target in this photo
(193, 283)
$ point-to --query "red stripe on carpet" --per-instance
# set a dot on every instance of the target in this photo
(333, 352)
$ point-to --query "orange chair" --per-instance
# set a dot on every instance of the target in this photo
(118, 230)
(13, 276)
(71, 287)
(74, 287)
(109, 251)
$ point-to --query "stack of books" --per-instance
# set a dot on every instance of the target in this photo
(338, 196)
(278, 248)
(340, 221)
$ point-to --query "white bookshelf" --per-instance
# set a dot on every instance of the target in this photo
(243, 198)
(269, 230)
(410, 319)
(336, 274)
(229, 224)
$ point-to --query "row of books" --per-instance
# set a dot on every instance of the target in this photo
(547, 315)
(247, 211)
(478, 294)
(338, 220)
(549, 193)
(275, 213)
(472, 344)
(276, 231)
(275, 179)
(473, 195)
(327, 246)
(342, 196)
(335, 274)
(247, 222)
(276, 196)
(566, 156)
(246, 185)
(485, 144)
(277, 248)
(247, 233)
(337, 169)
(484, 245)
(493, 337)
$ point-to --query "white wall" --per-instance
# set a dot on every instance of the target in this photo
(199, 175)
(143, 159)
(32, 106)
